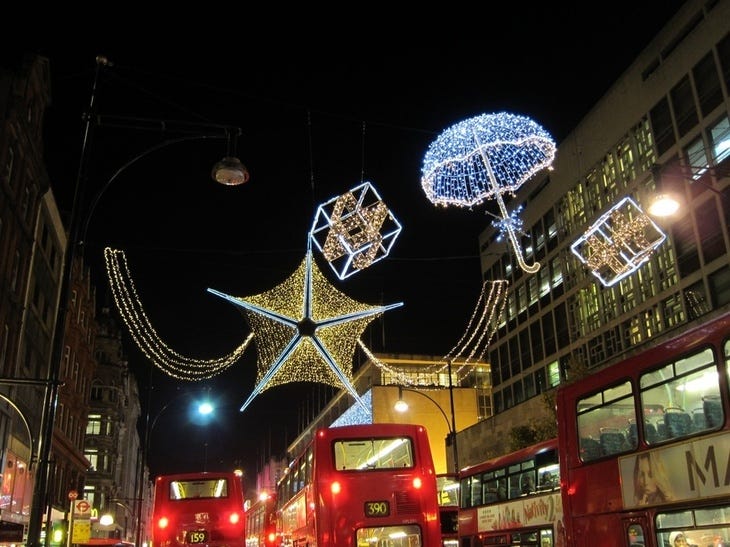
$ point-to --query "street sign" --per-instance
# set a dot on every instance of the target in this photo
(82, 509)
(73, 494)
(81, 531)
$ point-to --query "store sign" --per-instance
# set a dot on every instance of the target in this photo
(11, 532)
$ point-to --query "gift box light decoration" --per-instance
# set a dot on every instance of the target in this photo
(619, 242)
(354, 230)
(305, 330)
(487, 157)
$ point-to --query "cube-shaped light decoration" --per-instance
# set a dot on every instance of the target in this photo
(620, 241)
(354, 230)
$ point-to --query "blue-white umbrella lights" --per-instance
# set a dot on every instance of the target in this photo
(483, 158)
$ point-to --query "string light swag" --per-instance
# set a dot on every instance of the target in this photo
(305, 330)
(482, 326)
(354, 230)
(618, 243)
(485, 157)
(472, 346)
(144, 335)
(403, 378)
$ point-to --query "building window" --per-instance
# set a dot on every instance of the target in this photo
(661, 123)
(720, 286)
(697, 158)
(720, 140)
(707, 83)
(711, 238)
(93, 426)
(553, 370)
(684, 106)
(685, 246)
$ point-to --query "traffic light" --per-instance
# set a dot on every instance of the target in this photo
(58, 532)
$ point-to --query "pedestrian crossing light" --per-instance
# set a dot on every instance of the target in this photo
(58, 533)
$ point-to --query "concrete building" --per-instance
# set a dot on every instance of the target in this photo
(112, 443)
(663, 126)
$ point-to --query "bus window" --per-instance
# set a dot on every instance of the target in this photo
(635, 535)
(681, 398)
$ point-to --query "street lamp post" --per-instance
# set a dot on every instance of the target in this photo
(402, 406)
(228, 171)
(107, 519)
(203, 408)
(674, 180)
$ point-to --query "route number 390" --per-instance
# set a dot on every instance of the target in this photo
(377, 509)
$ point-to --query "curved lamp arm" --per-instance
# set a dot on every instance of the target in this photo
(402, 406)
(125, 166)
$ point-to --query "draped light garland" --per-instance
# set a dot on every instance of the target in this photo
(473, 345)
(144, 335)
(305, 330)
(483, 323)
(403, 378)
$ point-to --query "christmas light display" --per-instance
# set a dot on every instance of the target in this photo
(619, 242)
(143, 333)
(356, 414)
(487, 157)
(305, 330)
(354, 230)
(483, 323)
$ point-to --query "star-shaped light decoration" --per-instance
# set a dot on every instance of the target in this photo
(354, 230)
(620, 241)
(305, 330)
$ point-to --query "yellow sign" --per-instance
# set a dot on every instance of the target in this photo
(81, 531)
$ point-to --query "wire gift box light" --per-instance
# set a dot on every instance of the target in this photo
(354, 230)
(619, 242)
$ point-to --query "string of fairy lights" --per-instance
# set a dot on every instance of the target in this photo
(482, 326)
(144, 334)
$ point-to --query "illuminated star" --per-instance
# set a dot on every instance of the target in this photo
(305, 330)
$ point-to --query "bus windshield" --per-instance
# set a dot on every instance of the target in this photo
(365, 455)
(213, 488)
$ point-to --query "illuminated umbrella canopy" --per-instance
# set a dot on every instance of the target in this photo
(483, 158)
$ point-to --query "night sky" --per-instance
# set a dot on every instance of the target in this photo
(323, 106)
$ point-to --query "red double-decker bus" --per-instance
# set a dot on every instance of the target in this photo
(645, 446)
(447, 492)
(261, 522)
(513, 499)
(371, 484)
(200, 508)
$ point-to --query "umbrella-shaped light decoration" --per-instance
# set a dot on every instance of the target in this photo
(484, 158)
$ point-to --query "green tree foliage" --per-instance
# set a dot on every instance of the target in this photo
(546, 427)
